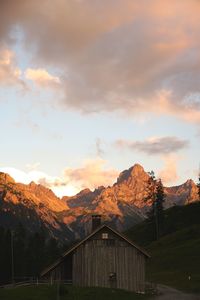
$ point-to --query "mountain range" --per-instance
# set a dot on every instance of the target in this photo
(122, 204)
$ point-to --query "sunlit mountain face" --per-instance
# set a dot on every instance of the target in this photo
(89, 88)
(122, 205)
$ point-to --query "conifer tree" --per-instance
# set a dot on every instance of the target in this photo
(159, 200)
(156, 196)
(150, 199)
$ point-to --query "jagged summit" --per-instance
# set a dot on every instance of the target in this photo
(137, 168)
(189, 182)
(32, 184)
(84, 192)
(6, 178)
(123, 204)
(134, 171)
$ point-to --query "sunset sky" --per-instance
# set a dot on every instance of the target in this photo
(88, 88)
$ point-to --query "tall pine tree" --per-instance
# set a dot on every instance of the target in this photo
(155, 196)
(159, 202)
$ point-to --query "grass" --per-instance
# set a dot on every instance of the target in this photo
(175, 258)
(176, 255)
(46, 292)
(176, 218)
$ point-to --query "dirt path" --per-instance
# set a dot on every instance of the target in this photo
(168, 293)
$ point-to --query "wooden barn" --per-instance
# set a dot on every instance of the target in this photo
(105, 258)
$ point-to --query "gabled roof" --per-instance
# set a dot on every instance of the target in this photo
(47, 270)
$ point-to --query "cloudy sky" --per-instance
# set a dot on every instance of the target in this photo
(90, 87)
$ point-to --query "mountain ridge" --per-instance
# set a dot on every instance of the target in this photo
(123, 204)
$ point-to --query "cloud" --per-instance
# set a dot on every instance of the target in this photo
(187, 110)
(169, 172)
(118, 55)
(42, 78)
(59, 185)
(10, 74)
(27, 177)
(92, 174)
(154, 145)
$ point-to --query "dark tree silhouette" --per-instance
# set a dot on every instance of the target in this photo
(31, 253)
(159, 202)
(155, 196)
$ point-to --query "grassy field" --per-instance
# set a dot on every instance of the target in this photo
(176, 255)
(176, 218)
(46, 292)
(175, 258)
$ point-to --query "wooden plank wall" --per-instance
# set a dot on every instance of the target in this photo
(94, 260)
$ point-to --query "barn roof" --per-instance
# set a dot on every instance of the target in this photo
(69, 251)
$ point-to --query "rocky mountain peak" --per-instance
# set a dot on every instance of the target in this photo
(32, 184)
(133, 172)
(84, 192)
(181, 194)
(190, 183)
(123, 204)
(6, 178)
(136, 170)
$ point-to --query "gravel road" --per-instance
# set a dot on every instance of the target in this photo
(169, 293)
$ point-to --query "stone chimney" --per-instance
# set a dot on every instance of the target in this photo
(96, 221)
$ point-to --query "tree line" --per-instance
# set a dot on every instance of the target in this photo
(24, 255)
(156, 197)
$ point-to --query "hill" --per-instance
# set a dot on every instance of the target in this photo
(175, 258)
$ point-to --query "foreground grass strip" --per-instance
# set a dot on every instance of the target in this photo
(47, 292)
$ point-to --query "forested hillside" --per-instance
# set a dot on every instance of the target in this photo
(31, 253)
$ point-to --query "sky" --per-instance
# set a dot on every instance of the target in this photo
(88, 88)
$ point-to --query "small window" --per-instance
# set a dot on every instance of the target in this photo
(105, 236)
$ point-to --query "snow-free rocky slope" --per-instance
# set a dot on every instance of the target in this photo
(122, 204)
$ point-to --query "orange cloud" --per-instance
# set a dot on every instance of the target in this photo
(10, 74)
(92, 174)
(42, 78)
(59, 185)
(169, 172)
(117, 55)
(166, 104)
